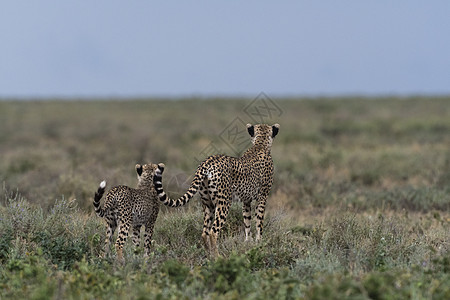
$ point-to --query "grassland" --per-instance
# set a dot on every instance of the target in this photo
(360, 206)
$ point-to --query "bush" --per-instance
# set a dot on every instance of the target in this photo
(176, 271)
(6, 237)
(60, 234)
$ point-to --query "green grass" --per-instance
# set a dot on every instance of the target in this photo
(359, 207)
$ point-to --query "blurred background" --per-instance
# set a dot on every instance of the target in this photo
(73, 49)
(311, 67)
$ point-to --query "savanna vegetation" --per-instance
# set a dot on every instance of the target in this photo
(360, 207)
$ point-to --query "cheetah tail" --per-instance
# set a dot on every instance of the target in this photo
(157, 181)
(98, 195)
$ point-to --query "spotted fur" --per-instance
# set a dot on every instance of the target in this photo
(220, 179)
(127, 207)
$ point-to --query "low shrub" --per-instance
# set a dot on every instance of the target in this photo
(61, 234)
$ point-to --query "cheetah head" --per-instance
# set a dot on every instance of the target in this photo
(262, 133)
(146, 172)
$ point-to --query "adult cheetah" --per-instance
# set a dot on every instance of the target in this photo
(220, 179)
(127, 207)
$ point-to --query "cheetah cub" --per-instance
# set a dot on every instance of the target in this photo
(126, 207)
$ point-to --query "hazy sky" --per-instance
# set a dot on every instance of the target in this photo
(188, 48)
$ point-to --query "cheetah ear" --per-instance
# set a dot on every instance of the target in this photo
(251, 130)
(139, 169)
(275, 129)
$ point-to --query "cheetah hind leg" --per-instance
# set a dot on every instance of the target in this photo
(214, 252)
(247, 215)
(111, 228)
(220, 217)
(206, 234)
(121, 239)
(136, 237)
(206, 242)
(208, 216)
(148, 239)
(260, 210)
